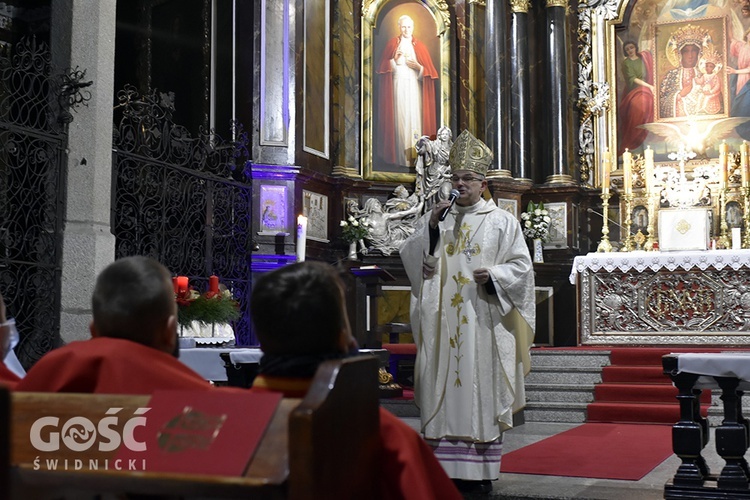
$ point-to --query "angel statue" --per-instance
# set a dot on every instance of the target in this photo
(433, 170)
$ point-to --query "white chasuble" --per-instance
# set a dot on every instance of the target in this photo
(472, 346)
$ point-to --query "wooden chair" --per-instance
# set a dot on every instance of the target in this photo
(323, 446)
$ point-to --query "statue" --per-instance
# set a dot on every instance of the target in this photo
(389, 224)
(433, 170)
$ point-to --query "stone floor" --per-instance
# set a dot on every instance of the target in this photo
(518, 486)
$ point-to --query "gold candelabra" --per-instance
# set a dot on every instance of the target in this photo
(723, 239)
(604, 244)
(746, 217)
(628, 244)
(651, 240)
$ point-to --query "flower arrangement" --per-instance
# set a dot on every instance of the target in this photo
(214, 306)
(354, 230)
(535, 222)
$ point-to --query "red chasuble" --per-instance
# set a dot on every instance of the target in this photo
(8, 378)
(109, 366)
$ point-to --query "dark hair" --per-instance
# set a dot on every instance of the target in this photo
(132, 299)
(299, 309)
(629, 42)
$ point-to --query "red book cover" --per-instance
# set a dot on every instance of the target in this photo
(197, 432)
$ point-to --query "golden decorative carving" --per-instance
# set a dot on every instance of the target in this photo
(520, 6)
(384, 377)
(481, 3)
(557, 3)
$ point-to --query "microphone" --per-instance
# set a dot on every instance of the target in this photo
(454, 194)
(592, 211)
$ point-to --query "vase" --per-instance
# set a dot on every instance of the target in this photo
(538, 250)
(352, 251)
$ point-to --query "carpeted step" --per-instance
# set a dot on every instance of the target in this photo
(640, 393)
(653, 374)
(633, 412)
(652, 355)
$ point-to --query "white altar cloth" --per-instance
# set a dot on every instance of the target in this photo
(709, 365)
(209, 365)
(641, 260)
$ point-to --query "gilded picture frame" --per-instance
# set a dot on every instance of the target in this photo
(382, 158)
(618, 111)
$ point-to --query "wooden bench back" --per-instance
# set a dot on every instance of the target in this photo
(319, 447)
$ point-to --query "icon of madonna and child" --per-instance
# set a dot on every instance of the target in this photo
(684, 76)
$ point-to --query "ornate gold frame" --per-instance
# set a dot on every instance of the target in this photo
(370, 12)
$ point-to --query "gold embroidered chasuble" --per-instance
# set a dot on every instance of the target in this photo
(472, 347)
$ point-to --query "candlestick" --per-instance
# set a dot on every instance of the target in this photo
(744, 151)
(182, 284)
(746, 217)
(648, 155)
(627, 180)
(301, 237)
(628, 244)
(723, 159)
(651, 240)
(604, 244)
(606, 167)
(723, 237)
(213, 283)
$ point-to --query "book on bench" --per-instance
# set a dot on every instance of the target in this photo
(198, 432)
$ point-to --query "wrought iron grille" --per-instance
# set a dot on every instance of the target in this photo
(185, 201)
(35, 109)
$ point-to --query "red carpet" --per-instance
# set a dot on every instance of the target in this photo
(602, 451)
(634, 389)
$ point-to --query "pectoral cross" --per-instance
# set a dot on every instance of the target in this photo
(470, 252)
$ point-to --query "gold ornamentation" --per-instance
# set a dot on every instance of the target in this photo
(384, 378)
(687, 35)
(469, 153)
(463, 242)
(520, 6)
(461, 319)
(557, 3)
(683, 226)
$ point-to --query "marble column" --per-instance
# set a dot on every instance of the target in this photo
(557, 83)
(497, 91)
(520, 150)
(83, 36)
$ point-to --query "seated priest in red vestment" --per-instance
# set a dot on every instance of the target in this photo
(300, 319)
(7, 377)
(133, 347)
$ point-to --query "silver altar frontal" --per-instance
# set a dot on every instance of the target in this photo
(678, 298)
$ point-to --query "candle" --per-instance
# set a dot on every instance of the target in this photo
(213, 283)
(182, 284)
(723, 167)
(648, 154)
(301, 237)
(606, 162)
(627, 180)
(744, 151)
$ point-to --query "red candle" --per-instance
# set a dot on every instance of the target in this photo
(182, 284)
(174, 284)
(213, 283)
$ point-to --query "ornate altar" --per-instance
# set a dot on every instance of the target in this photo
(688, 297)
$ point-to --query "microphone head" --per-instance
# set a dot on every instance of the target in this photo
(454, 194)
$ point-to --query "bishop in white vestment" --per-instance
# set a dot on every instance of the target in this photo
(472, 315)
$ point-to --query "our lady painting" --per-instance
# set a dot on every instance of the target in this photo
(683, 75)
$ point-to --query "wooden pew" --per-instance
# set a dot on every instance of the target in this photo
(323, 446)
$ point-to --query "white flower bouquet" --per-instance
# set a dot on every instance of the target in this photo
(535, 222)
(354, 230)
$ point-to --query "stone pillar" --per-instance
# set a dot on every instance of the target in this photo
(83, 36)
(557, 84)
(498, 90)
(520, 138)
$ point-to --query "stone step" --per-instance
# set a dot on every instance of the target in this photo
(564, 375)
(563, 393)
(593, 358)
(555, 412)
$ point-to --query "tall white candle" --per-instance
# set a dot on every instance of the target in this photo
(648, 155)
(606, 167)
(301, 237)
(627, 180)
